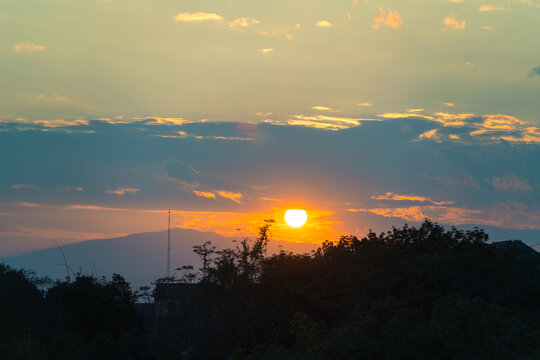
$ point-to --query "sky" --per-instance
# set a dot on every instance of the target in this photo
(366, 113)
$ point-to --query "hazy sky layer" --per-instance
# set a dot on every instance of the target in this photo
(367, 113)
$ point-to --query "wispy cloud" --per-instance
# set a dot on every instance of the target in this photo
(231, 196)
(204, 194)
(452, 23)
(324, 108)
(61, 123)
(323, 122)
(55, 97)
(243, 22)
(365, 104)
(29, 47)
(511, 182)
(396, 197)
(23, 186)
(198, 17)
(122, 191)
(267, 51)
(487, 8)
(387, 17)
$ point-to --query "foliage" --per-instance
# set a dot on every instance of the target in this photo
(409, 293)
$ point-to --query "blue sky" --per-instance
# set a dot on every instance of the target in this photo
(366, 113)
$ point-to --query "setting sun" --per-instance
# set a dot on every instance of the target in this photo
(295, 218)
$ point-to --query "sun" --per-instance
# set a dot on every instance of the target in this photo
(295, 218)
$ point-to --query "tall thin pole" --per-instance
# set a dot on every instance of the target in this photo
(169, 246)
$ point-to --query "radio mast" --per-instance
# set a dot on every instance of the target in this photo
(169, 247)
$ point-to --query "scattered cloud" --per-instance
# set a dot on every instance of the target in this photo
(231, 196)
(204, 194)
(60, 123)
(324, 108)
(198, 17)
(449, 104)
(387, 17)
(154, 120)
(324, 23)
(29, 46)
(486, 8)
(263, 114)
(23, 186)
(122, 191)
(365, 104)
(267, 51)
(457, 1)
(511, 183)
(243, 22)
(395, 197)
(55, 97)
(323, 122)
(270, 199)
(452, 23)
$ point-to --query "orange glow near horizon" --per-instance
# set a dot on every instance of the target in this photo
(296, 218)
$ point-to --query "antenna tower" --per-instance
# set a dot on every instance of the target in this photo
(169, 247)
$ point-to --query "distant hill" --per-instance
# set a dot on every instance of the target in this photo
(140, 258)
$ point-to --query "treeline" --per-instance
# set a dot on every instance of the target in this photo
(409, 293)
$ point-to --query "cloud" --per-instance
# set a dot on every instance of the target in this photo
(61, 123)
(323, 122)
(29, 46)
(263, 198)
(231, 196)
(486, 8)
(449, 104)
(535, 71)
(487, 27)
(395, 197)
(204, 194)
(154, 120)
(457, 1)
(365, 104)
(267, 51)
(55, 97)
(324, 23)
(511, 183)
(122, 191)
(243, 22)
(387, 18)
(198, 17)
(23, 186)
(324, 108)
(452, 23)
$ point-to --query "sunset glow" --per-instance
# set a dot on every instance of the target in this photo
(296, 218)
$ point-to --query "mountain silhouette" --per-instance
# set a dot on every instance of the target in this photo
(140, 258)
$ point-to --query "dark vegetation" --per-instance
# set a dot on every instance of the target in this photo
(410, 293)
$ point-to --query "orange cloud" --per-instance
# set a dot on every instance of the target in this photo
(204, 194)
(452, 23)
(396, 197)
(485, 8)
(197, 17)
(324, 23)
(231, 196)
(324, 108)
(243, 22)
(122, 191)
(29, 46)
(388, 18)
(60, 123)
